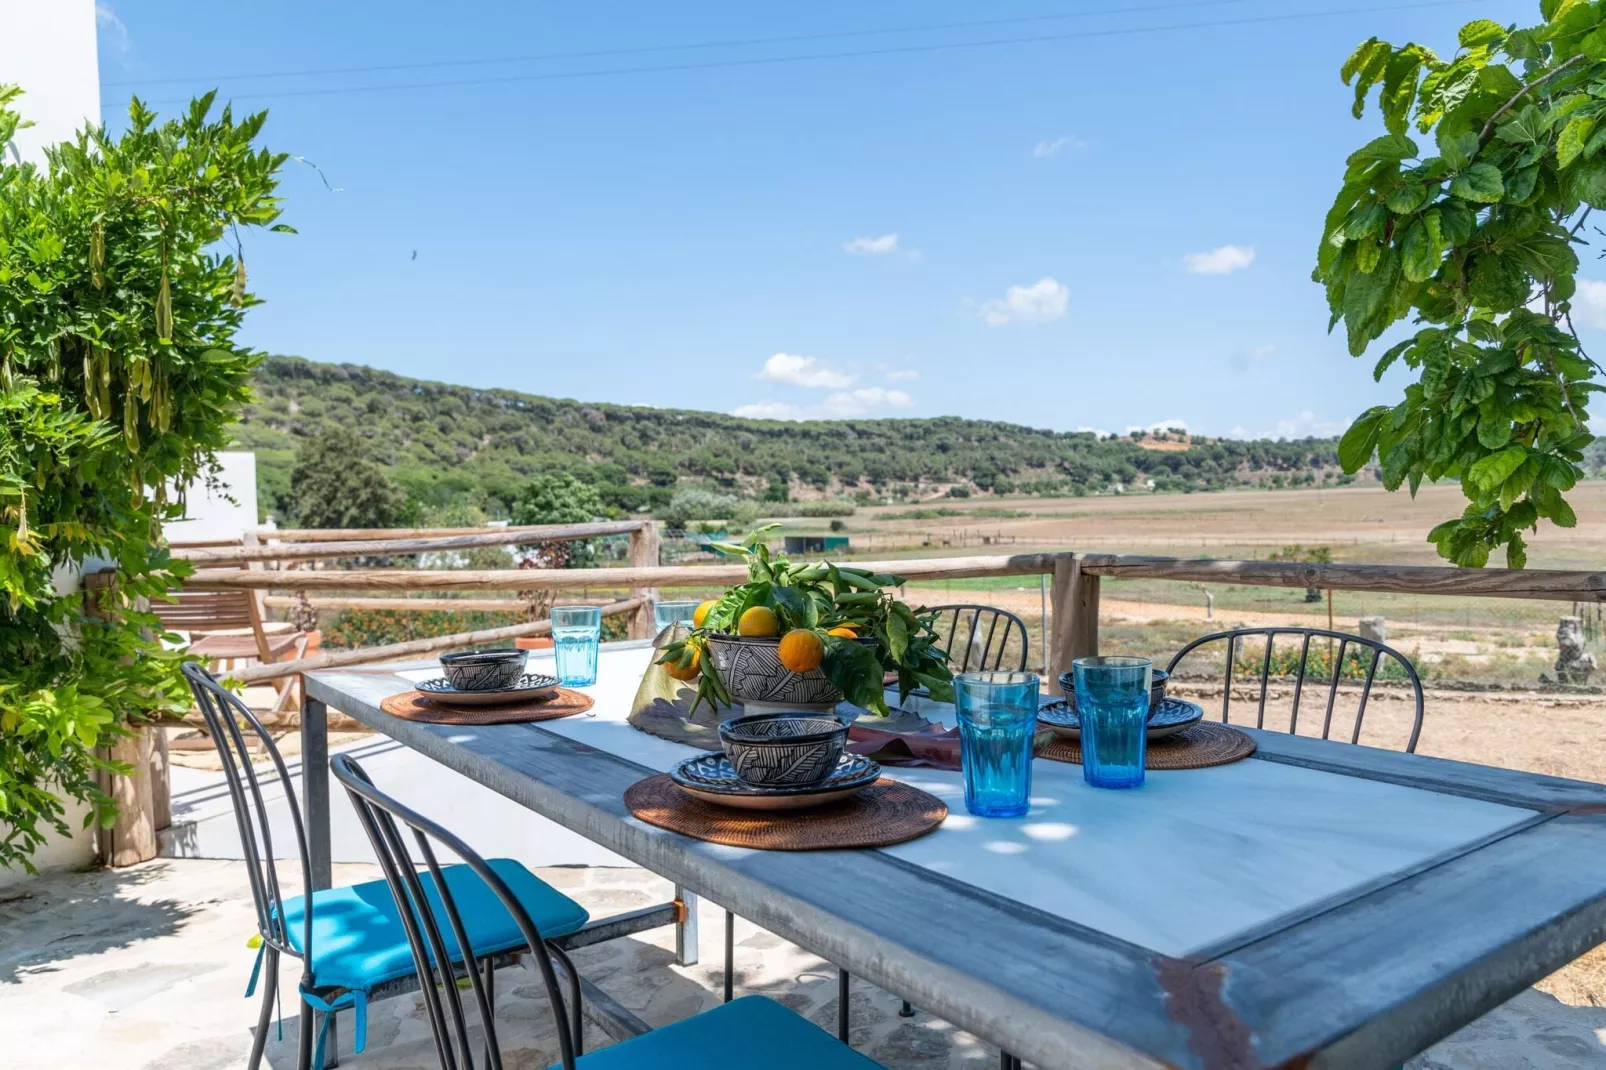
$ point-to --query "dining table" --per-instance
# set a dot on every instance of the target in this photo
(1319, 904)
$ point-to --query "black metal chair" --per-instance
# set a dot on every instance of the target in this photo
(351, 942)
(747, 1033)
(1336, 668)
(985, 646)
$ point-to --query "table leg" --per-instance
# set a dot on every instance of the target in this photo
(315, 789)
(686, 928)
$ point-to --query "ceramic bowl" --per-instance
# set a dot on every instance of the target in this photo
(484, 670)
(784, 750)
(1157, 682)
(751, 670)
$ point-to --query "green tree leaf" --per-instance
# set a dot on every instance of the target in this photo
(1574, 136)
(1481, 183)
(1358, 443)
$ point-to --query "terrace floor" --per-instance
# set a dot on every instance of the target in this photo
(145, 968)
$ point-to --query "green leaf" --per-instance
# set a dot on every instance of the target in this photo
(1574, 136)
(1407, 198)
(1458, 221)
(1389, 357)
(1594, 45)
(1493, 470)
(1480, 32)
(1419, 256)
(1525, 127)
(1358, 443)
(1480, 183)
(1587, 182)
(1366, 222)
(1389, 148)
(1457, 149)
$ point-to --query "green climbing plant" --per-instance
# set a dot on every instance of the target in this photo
(121, 289)
(1473, 235)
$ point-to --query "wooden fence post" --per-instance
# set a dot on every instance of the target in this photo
(644, 554)
(1074, 614)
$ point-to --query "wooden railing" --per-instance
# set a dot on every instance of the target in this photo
(1074, 613)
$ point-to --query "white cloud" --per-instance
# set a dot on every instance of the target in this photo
(843, 404)
(1157, 426)
(1098, 432)
(116, 34)
(887, 243)
(1589, 304)
(1220, 261)
(902, 375)
(803, 371)
(1044, 149)
(1305, 425)
(1044, 300)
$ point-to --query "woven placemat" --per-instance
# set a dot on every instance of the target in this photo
(417, 706)
(885, 813)
(1198, 747)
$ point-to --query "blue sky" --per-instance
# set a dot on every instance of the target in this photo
(1096, 228)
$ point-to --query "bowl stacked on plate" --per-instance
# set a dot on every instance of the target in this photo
(487, 678)
(778, 761)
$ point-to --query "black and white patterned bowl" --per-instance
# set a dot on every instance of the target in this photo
(484, 670)
(751, 670)
(527, 688)
(1171, 716)
(784, 750)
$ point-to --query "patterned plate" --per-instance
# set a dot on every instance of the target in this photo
(530, 686)
(711, 778)
(1173, 716)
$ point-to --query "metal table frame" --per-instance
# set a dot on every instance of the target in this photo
(1366, 980)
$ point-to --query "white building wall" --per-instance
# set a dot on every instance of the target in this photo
(209, 514)
(48, 48)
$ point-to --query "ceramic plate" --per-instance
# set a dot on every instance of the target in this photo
(530, 686)
(711, 778)
(1173, 716)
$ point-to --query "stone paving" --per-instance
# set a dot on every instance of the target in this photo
(145, 969)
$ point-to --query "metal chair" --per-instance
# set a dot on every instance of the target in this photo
(1345, 641)
(747, 1033)
(985, 646)
(352, 942)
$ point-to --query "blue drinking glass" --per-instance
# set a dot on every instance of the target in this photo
(1112, 703)
(576, 634)
(666, 613)
(997, 720)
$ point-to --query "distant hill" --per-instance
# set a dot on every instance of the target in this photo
(442, 442)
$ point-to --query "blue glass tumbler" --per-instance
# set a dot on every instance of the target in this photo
(576, 634)
(997, 720)
(1112, 704)
(666, 613)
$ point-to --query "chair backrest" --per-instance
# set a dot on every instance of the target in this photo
(225, 715)
(1333, 664)
(977, 638)
(380, 814)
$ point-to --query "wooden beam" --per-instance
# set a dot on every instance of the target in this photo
(404, 547)
(390, 652)
(1074, 613)
(360, 534)
(1532, 583)
(414, 605)
(644, 554)
(558, 579)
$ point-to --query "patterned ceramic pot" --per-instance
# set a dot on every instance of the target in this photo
(752, 672)
(783, 750)
(484, 670)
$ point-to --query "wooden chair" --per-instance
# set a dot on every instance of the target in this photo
(229, 626)
(1335, 671)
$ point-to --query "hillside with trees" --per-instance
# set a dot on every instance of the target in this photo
(442, 444)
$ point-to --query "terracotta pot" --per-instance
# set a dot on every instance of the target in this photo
(533, 642)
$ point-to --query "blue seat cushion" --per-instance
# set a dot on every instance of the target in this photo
(357, 935)
(751, 1033)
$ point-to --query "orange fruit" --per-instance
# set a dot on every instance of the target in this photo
(843, 631)
(801, 650)
(689, 670)
(700, 614)
(759, 622)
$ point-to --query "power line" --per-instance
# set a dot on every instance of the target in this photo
(809, 57)
(738, 43)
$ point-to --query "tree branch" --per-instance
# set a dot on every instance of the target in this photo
(1524, 91)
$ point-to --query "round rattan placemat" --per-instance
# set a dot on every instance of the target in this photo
(1199, 747)
(885, 813)
(417, 706)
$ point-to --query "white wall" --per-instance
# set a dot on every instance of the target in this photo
(209, 514)
(48, 48)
